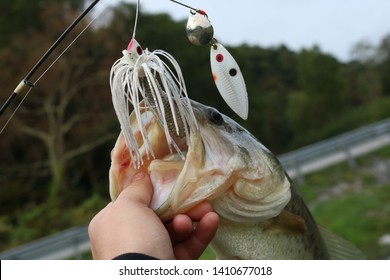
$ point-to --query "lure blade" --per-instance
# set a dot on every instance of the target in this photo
(200, 32)
(229, 80)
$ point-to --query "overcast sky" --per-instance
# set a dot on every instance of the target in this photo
(335, 25)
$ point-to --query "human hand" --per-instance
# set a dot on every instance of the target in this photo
(129, 225)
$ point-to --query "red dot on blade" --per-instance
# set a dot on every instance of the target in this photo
(219, 57)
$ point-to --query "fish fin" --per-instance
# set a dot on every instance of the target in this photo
(339, 248)
(287, 222)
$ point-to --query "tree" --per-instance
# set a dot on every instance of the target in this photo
(319, 98)
(384, 68)
(21, 16)
(66, 112)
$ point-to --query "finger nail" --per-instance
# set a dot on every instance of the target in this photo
(138, 176)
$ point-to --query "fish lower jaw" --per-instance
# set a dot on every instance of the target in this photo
(163, 170)
(163, 175)
(164, 165)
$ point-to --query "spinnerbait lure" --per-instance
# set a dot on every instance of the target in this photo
(142, 81)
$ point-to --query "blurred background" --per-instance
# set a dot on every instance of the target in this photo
(313, 70)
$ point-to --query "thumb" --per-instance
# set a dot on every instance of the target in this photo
(140, 189)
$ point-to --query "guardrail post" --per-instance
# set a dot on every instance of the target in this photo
(350, 158)
(299, 174)
(77, 253)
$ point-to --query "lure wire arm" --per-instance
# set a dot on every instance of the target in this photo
(227, 75)
(26, 81)
(187, 6)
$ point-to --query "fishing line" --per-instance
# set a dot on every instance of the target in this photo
(140, 79)
(136, 18)
(14, 112)
(66, 49)
(26, 81)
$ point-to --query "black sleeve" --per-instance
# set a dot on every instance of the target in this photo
(134, 256)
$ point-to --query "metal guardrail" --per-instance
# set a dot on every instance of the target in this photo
(70, 243)
(343, 147)
(73, 242)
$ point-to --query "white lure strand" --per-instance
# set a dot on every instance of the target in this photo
(141, 75)
(229, 80)
(119, 75)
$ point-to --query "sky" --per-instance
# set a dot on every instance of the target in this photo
(334, 25)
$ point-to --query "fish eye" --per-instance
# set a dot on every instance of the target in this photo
(215, 117)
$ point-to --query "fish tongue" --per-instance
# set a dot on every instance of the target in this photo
(163, 174)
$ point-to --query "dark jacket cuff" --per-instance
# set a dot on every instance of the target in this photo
(134, 256)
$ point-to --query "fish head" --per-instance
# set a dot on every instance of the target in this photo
(221, 162)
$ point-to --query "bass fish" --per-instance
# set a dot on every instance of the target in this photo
(262, 215)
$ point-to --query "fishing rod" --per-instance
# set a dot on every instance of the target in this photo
(26, 83)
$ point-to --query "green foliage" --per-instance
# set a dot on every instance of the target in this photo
(38, 220)
(319, 100)
(208, 254)
(360, 195)
(23, 16)
(363, 222)
(350, 118)
(319, 73)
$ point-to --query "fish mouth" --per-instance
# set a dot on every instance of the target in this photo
(171, 170)
(216, 162)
